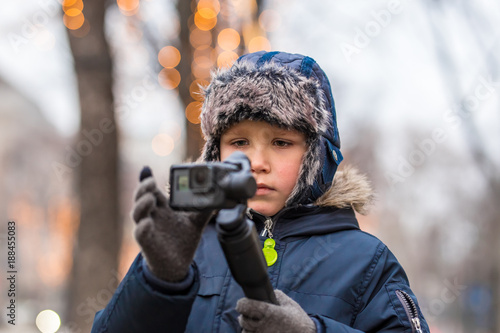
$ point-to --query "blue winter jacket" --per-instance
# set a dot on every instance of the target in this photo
(345, 279)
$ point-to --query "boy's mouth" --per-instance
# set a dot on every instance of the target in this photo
(263, 189)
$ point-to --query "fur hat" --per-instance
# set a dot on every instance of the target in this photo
(286, 90)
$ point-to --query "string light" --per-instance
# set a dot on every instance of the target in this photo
(48, 321)
(259, 43)
(199, 38)
(73, 17)
(169, 78)
(226, 59)
(228, 39)
(128, 7)
(169, 57)
(162, 144)
(193, 111)
(195, 90)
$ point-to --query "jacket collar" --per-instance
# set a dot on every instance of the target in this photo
(333, 211)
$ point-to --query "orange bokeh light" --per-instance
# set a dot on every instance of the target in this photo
(207, 13)
(128, 7)
(208, 8)
(169, 78)
(73, 22)
(200, 71)
(205, 51)
(203, 23)
(259, 43)
(228, 39)
(71, 5)
(169, 57)
(196, 91)
(193, 111)
(226, 59)
(199, 38)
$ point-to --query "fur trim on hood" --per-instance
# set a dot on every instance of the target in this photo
(350, 188)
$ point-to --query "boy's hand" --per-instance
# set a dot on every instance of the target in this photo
(263, 317)
(168, 239)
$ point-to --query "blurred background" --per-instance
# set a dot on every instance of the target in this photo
(92, 91)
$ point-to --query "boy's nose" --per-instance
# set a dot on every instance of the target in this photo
(259, 162)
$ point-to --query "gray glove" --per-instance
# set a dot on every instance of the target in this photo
(263, 317)
(168, 239)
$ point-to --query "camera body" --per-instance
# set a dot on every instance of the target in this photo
(213, 185)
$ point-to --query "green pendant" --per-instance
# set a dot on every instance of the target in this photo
(269, 252)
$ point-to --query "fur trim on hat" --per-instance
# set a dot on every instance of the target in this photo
(272, 93)
(350, 188)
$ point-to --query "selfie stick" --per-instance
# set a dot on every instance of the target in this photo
(240, 243)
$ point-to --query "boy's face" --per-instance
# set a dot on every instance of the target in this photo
(275, 155)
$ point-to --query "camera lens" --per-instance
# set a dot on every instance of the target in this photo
(200, 179)
(200, 176)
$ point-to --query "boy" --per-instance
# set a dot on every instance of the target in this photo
(329, 276)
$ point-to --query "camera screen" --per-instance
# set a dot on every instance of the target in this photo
(183, 183)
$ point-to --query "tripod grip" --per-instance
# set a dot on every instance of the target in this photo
(240, 243)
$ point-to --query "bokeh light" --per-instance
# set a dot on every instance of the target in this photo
(195, 89)
(259, 43)
(270, 20)
(203, 23)
(203, 52)
(48, 321)
(169, 57)
(193, 111)
(228, 39)
(207, 13)
(208, 8)
(226, 58)
(162, 144)
(201, 69)
(169, 78)
(199, 38)
(73, 22)
(128, 7)
(70, 5)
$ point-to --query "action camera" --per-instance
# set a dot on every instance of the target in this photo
(213, 185)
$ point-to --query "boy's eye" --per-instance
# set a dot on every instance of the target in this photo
(239, 143)
(281, 143)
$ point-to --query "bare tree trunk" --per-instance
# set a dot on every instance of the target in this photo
(99, 235)
(194, 141)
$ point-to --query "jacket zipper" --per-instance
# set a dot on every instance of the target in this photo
(268, 223)
(411, 310)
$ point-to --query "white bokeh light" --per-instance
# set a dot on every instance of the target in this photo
(48, 321)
